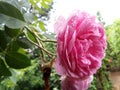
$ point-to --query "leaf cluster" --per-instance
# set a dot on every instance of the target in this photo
(16, 48)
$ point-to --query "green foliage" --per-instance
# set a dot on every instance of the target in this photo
(29, 79)
(113, 52)
(43, 6)
(17, 60)
(3, 40)
(30, 36)
(10, 15)
(3, 69)
(21, 39)
(15, 15)
(55, 81)
(9, 43)
(24, 79)
(10, 11)
(40, 9)
(11, 32)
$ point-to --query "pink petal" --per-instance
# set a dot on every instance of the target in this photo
(75, 84)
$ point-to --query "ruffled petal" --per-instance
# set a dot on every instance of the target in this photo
(75, 84)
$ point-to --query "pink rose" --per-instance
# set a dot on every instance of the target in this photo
(75, 84)
(81, 44)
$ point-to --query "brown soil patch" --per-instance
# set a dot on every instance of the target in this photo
(115, 79)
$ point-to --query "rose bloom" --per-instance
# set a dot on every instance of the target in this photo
(81, 44)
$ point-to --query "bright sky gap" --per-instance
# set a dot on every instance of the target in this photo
(109, 9)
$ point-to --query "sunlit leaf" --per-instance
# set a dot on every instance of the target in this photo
(11, 22)
(50, 1)
(44, 5)
(42, 26)
(11, 16)
(11, 11)
(29, 17)
(22, 51)
(30, 36)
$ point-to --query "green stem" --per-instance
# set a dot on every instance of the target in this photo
(49, 53)
(47, 40)
(40, 44)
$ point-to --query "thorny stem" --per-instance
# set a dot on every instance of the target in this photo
(36, 34)
(47, 40)
(40, 44)
(49, 53)
(45, 66)
(46, 75)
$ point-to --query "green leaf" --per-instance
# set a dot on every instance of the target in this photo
(32, 2)
(24, 43)
(1, 27)
(14, 46)
(29, 17)
(17, 60)
(4, 71)
(30, 36)
(11, 32)
(24, 3)
(11, 22)
(44, 5)
(42, 12)
(42, 26)
(4, 40)
(11, 16)
(11, 11)
(49, 1)
(22, 51)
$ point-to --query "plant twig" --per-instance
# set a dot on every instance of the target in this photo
(49, 53)
(40, 44)
(46, 68)
(47, 40)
